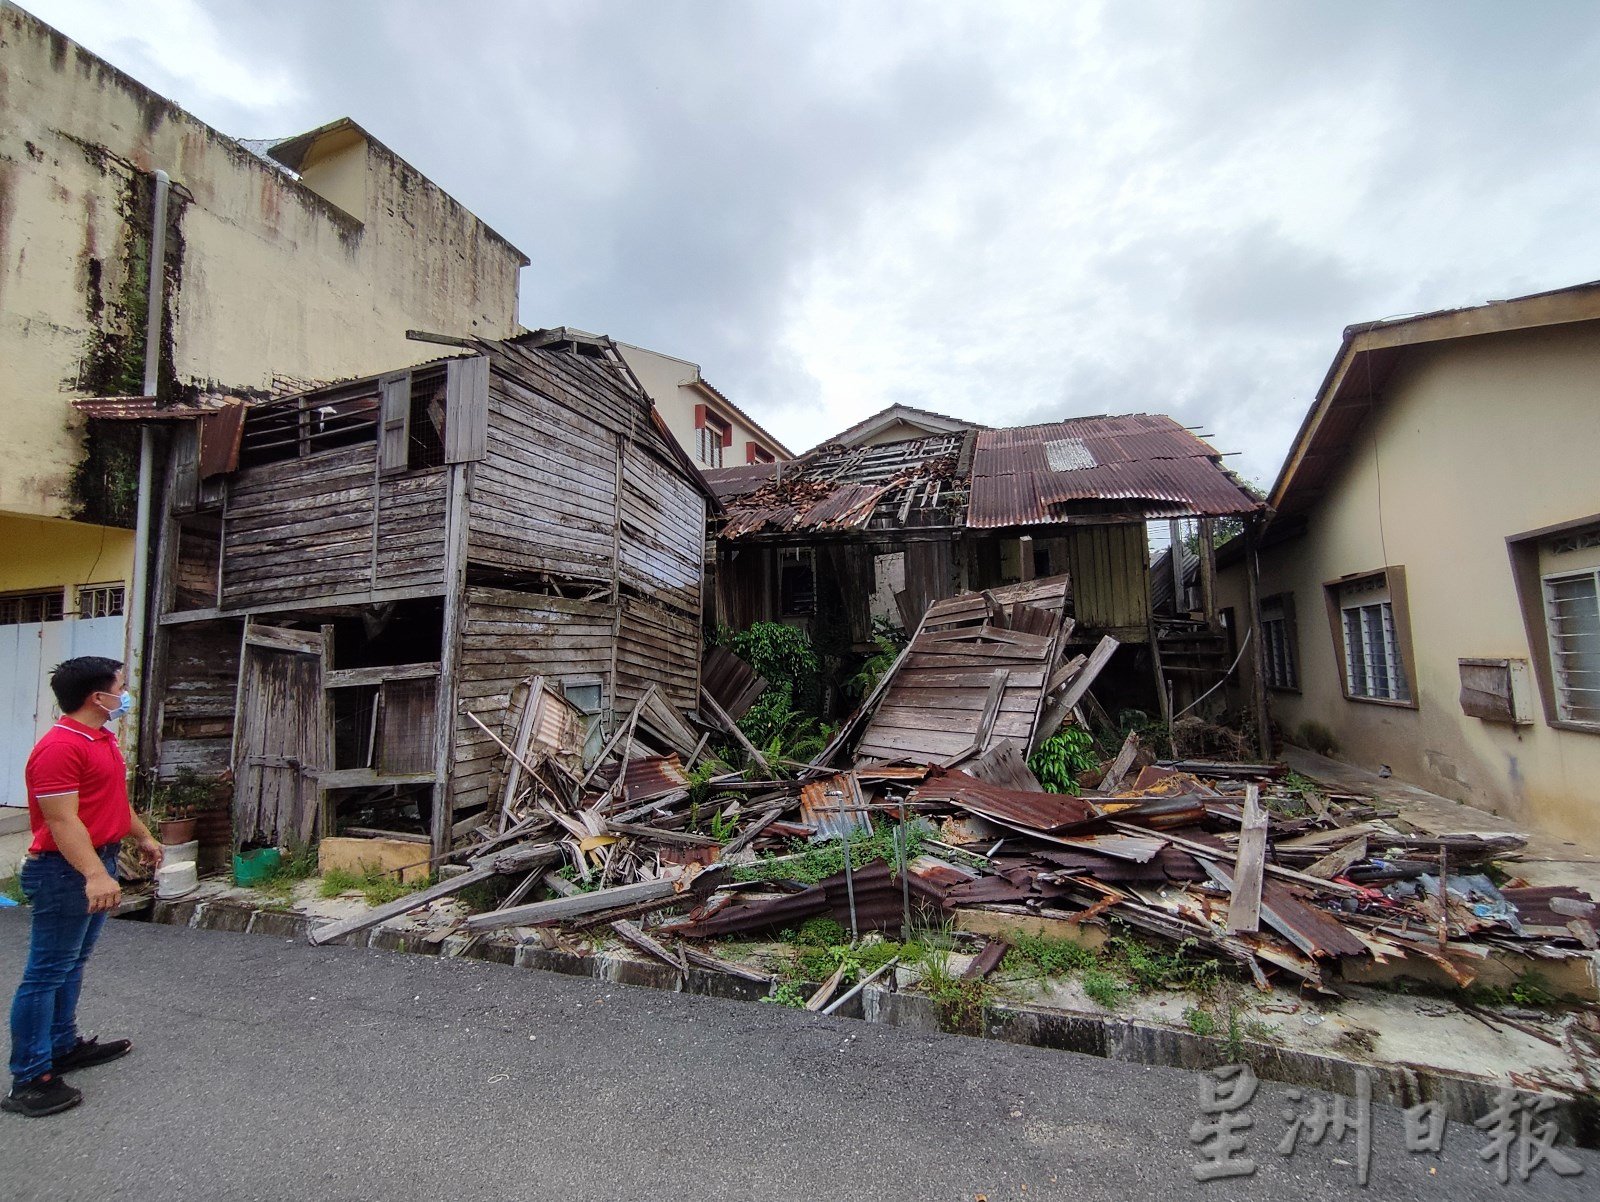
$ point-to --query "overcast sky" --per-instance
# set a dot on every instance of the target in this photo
(1006, 212)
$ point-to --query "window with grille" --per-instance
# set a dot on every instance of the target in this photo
(1372, 652)
(426, 447)
(17, 609)
(1278, 639)
(1572, 618)
(100, 600)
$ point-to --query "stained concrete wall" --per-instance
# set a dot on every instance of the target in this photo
(270, 278)
(1474, 440)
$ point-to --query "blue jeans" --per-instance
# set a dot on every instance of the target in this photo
(44, 1013)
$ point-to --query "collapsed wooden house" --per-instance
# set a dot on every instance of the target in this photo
(890, 528)
(350, 580)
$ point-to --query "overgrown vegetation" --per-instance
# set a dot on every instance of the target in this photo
(1062, 756)
(296, 865)
(1529, 989)
(11, 886)
(783, 654)
(888, 641)
(377, 886)
(781, 730)
(790, 993)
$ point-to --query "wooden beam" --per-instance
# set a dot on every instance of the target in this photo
(1244, 907)
(732, 727)
(1258, 661)
(562, 908)
(547, 853)
(1119, 766)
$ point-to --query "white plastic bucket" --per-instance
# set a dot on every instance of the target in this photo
(180, 853)
(174, 880)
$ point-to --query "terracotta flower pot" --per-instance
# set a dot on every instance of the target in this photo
(177, 830)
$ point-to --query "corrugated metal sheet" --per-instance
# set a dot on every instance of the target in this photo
(739, 481)
(1036, 811)
(1146, 460)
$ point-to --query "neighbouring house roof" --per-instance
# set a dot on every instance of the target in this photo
(1367, 356)
(1100, 468)
(1140, 462)
(922, 419)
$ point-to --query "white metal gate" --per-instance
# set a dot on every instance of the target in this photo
(28, 653)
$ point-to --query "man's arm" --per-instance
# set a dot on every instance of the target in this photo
(149, 845)
(72, 840)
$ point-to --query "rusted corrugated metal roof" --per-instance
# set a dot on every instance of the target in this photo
(1025, 475)
(649, 776)
(135, 409)
(1036, 811)
(739, 481)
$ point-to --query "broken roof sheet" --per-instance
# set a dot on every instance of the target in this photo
(1025, 475)
(847, 488)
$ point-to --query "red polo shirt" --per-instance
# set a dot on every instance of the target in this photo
(74, 758)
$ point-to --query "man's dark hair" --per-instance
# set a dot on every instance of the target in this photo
(75, 679)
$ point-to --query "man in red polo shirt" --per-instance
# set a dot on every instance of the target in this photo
(78, 805)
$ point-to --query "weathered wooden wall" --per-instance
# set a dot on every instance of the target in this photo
(301, 528)
(197, 698)
(507, 637)
(1110, 570)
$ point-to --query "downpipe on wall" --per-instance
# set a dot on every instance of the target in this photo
(138, 606)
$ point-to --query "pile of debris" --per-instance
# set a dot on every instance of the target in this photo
(940, 813)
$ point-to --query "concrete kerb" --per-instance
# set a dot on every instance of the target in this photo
(1463, 1097)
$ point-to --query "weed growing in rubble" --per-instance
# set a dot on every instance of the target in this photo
(960, 1001)
(813, 862)
(1040, 956)
(1202, 1022)
(1152, 968)
(11, 887)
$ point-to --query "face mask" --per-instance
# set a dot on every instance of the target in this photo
(124, 704)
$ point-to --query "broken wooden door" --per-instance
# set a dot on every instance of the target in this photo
(280, 737)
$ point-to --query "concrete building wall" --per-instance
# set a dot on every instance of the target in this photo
(268, 277)
(1474, 441)
(677, 388)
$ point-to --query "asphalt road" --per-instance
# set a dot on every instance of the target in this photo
(267, 1069)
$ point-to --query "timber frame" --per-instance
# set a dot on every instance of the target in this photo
(353, 585)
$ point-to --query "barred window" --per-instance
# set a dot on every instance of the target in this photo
(100, 600)
(1572, 616)
(43, 606)
(1278, 642)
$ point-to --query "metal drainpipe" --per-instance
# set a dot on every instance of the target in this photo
(140, 586)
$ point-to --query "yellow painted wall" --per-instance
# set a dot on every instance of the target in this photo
(275, 281)
(672, 384)
(42, 553)
(1475, 440)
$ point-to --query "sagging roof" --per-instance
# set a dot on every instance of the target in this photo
(916, 483)
(1137, 465)
(1367, 356)
(1143, 463)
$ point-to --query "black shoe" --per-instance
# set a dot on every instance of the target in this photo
(45, 1094)
(87, 1053)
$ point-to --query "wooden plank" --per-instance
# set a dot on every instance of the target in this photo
(562, 908)
(1112, 780)
(528, 858)
(1336, 861)
(347, 677)
(1244, 907)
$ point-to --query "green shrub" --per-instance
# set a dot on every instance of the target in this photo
(1062, 756)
